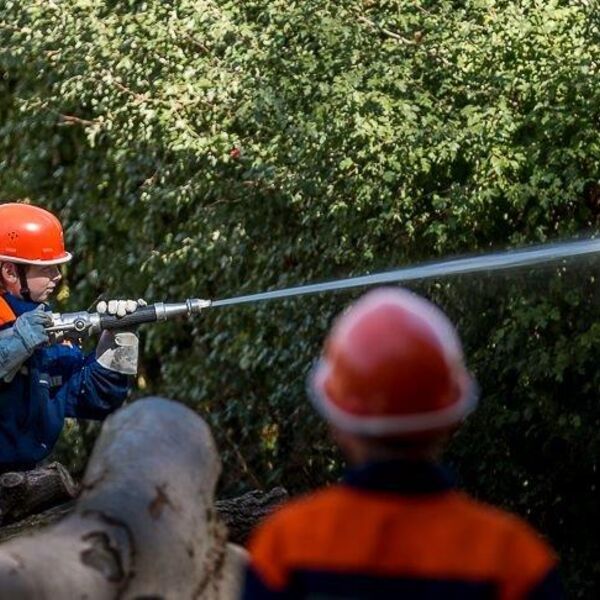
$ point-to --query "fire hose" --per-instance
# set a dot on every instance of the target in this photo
(83, 323)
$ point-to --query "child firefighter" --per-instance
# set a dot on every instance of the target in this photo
(42, 383)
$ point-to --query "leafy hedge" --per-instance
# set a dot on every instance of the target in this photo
(215, 148)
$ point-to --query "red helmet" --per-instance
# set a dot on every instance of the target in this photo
(392, 365)
(31, 235)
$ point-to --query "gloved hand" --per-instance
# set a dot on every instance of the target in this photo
(118, 351)
(119, 307)
(30, 327)
(28, 332)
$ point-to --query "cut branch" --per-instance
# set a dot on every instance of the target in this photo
(389, 33)
(73, 120)
(25, 493)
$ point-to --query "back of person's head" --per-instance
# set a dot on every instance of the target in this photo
(392, 372)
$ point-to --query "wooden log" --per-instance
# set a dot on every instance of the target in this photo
(30, 492)
(243, 513)
(240, 514)
(32, 523)
(144, 525)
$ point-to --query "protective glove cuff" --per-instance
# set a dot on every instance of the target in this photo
(118, 352)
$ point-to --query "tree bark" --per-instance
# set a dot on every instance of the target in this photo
(240, 514)
(243, 513)
(29, 492)
(31, 523)
(144, 525)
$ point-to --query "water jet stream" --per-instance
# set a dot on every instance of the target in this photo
(495, 261)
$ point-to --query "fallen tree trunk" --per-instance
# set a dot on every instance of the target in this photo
(144, 525)
(32, 523)
(240, 514)
(29, 492)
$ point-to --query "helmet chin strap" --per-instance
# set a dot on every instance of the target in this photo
(22, 273)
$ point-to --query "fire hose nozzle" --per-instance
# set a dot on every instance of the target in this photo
(84, 323)
(198, 304)
(189, 307)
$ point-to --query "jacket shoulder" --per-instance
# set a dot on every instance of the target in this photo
(305, 507)
(524, 553)
(272, 543)
(501, 521)
(306, 518)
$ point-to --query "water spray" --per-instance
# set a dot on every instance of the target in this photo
(79, 324)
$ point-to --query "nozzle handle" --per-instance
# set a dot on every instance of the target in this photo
(143, 314)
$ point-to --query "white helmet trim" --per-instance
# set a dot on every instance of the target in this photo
(25, 261)
(381, 426)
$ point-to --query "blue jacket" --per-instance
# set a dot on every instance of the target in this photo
(57, 381)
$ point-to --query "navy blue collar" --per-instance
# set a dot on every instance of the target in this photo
(400, 476)
(18, 305)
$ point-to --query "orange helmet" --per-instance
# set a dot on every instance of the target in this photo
(31, 235)
(392, 365)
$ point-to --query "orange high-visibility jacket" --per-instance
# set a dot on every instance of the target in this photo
(6, 312)
(398, 530)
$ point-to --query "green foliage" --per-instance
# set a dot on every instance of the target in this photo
(215, 148)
